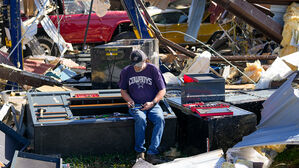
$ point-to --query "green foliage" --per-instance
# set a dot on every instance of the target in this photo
(289, 158)
(103, 161)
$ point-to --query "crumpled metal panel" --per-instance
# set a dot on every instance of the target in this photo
(50, 28)
(279, 122)
(53, 33)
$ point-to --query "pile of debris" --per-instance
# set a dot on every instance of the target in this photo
(251, 52)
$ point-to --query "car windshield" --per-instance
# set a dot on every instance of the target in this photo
(170, 18)
(76, 7)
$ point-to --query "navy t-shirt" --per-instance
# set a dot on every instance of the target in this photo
(142, 86)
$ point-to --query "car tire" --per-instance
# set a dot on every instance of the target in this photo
(124, 35)
(215, 37)
(48, 45)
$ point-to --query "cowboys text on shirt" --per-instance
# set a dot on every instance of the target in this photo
(140, 81)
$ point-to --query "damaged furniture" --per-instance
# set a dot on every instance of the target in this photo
(87, 122)
(26, 160)
(9, 142)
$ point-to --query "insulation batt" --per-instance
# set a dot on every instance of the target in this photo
(291, 20)
(254, 71)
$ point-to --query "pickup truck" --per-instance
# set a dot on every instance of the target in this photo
(73, 16)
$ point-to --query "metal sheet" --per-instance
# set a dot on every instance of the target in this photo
(50, 28)
(279, 122)
(239, 98)
(22, 77)
(9, 142)
(262, 93)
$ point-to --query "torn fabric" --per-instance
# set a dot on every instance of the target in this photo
(196, 12)
(100, 7)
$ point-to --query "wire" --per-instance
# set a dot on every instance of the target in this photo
(208, 48)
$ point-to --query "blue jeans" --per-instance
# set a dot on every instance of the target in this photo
(155, 115)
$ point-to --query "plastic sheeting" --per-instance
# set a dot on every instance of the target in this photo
(200, 64)
(279, 70)
(213, 159)
(196, 12)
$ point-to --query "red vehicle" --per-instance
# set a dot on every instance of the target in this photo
(73, 20)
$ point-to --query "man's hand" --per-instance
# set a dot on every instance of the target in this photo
(131, 104)
(148, 105)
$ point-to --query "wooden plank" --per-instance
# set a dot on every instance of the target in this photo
(44, 105)
(25, 78)
(273, 2)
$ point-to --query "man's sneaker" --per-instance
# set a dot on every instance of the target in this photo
(140, 156)
(154, 159)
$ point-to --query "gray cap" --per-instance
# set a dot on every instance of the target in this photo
(137, 56)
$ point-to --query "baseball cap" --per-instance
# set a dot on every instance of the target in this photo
(137, 56)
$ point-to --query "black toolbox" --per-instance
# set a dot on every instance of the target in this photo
(94, 122)
(203, 88)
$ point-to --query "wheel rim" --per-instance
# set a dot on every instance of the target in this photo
(46, 48)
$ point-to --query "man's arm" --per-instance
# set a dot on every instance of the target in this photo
(156, 100)
(127, 98)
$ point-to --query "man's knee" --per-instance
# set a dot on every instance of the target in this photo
(159, 120)
(140, 120)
